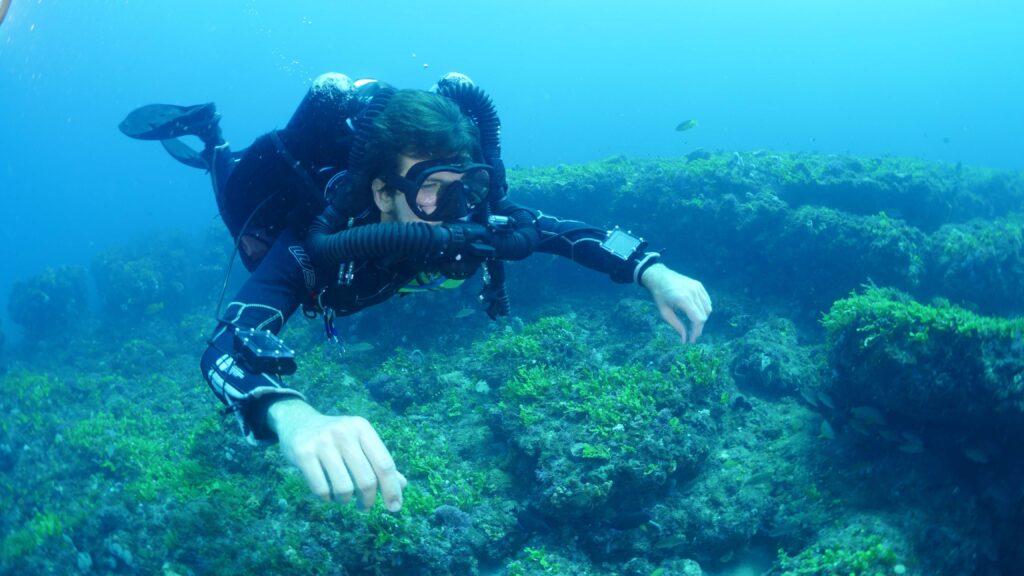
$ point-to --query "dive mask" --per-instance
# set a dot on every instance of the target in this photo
(443, 190)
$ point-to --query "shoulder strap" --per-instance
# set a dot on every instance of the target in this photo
(294, 164)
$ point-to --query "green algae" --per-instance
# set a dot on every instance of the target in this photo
(579, 437)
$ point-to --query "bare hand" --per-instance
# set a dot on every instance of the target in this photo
(671, 292)
(340, 456)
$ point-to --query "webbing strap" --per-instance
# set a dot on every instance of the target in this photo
(292, 162)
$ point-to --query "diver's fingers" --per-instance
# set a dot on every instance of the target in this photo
(696, 329)
(698, 296)
(696, 311)
(315, 477)
(391, 482)
(355, 460)
(669, 315)
(706, 301)
(341, 487)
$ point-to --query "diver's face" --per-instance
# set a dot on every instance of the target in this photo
(393, 205)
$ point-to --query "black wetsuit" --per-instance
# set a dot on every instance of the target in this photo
(291, 166)
(286, 279)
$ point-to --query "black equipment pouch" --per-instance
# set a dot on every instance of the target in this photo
(260, 351)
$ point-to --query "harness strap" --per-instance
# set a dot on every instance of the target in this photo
(294, 164)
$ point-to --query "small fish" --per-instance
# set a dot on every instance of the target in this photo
(532, 521)
(976, 455)
(686, 125)
(859, 427)
(888, 434)
(630, 520)
(359, 347)
(911, 448)
(912, 438)
(672, 541)
(825, 431)
(808, 395)
(826, 400)
(464, 313)
(868, 415)
(759, 478)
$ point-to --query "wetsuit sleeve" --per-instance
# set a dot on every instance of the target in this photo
(265, 302)
(582, 243)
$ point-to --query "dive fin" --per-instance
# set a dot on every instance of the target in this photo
(167, 121)
(184, 153)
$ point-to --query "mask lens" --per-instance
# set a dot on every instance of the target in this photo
(477, 183)
(429, 193)
(444, 190)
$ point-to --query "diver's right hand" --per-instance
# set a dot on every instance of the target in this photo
(340, 456)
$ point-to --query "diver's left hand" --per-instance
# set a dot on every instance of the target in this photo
(671, 292)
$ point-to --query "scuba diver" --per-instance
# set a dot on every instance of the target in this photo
(368, 192)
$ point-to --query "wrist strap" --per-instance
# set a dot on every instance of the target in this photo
(649, 259)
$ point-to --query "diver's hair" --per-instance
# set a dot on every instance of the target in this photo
(414, 123)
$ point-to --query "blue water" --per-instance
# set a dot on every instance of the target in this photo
(574, 82)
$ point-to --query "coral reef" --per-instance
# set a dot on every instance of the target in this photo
(823, 425)
(863, 546)
(49, 304)
(806, 227)
(768, 360)
(146, 278)
(936, 367)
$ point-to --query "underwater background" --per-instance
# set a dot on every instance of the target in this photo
(850, 191)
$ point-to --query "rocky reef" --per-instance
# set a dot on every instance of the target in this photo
(854, 406)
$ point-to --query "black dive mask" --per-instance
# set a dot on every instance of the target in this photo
(452, 187)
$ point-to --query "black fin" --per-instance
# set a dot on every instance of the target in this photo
(166, 121)
(184, 153)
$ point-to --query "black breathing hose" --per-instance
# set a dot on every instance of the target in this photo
(376, 98)
(328, 243)
(476, 104)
